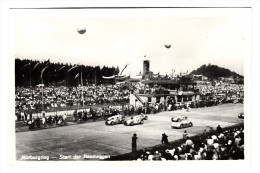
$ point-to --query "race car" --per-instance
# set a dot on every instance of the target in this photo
(143, 116)
(178, 118)
(241, 115)
(134, 120)
(117, 119)
(181, 122)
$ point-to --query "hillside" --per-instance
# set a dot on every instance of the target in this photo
(214, 72)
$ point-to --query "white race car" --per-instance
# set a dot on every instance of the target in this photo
(143, 116)
(181, 122)
(117, 119)
(134, 120)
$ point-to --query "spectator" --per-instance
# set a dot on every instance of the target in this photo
(157, 156)
(44, 121)
(215, 148)
(22, 115)
(164, 139)
(38, 122)
(184, 136)
(134, 140)
(219, 129)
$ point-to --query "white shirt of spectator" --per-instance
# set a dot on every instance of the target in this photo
(150, 157)
(64, 116)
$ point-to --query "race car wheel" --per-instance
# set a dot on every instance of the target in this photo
(172, 119)
(106, 123)
(112, 123)
(141, 122)
(131, 123)
(181, 126)
(190, 124)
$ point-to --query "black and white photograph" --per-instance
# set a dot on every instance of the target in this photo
(139, 84)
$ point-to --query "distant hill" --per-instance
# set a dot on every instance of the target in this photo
(214, 72)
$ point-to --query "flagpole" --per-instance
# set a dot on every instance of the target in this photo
(78, 81)
(65, 78)
(30, 76)
(42, 96)
(81, 85)
(42, 82)
(95, 77)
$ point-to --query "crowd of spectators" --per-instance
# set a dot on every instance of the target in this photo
(215, 145)
(28, 99)
(225, 89)
(55, 97)
(37, 122)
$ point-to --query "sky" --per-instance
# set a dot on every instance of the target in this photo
(115, 37)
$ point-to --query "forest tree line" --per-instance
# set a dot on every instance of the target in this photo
(32, 72)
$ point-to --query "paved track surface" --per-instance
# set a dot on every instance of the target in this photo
(96, 138)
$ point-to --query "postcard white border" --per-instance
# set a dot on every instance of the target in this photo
(251, 91)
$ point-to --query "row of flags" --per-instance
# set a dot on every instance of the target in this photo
(46, 65)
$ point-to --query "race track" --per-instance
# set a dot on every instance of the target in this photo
(95, 138)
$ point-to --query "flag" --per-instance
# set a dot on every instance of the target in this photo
(43, 72)
(73, 68)
(62, 67)
(110, 77)
(124, 68)
(77, 75)
(36, 65)
(48, 62)
(24, 66)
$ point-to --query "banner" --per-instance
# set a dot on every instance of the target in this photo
(124, 68)
(24, 66)
(62, 67)
(72, 68)
(43, 72)
(77, 75)
(36, 65)
(110, 77)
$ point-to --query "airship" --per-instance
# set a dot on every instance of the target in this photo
(82, 30)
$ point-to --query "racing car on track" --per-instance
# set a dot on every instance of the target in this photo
(181, 122)
(134, 120)
(143, 116)
(241, 115)
(117, 119)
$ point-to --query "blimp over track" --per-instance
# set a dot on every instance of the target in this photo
(167, 46)
(82, 30)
